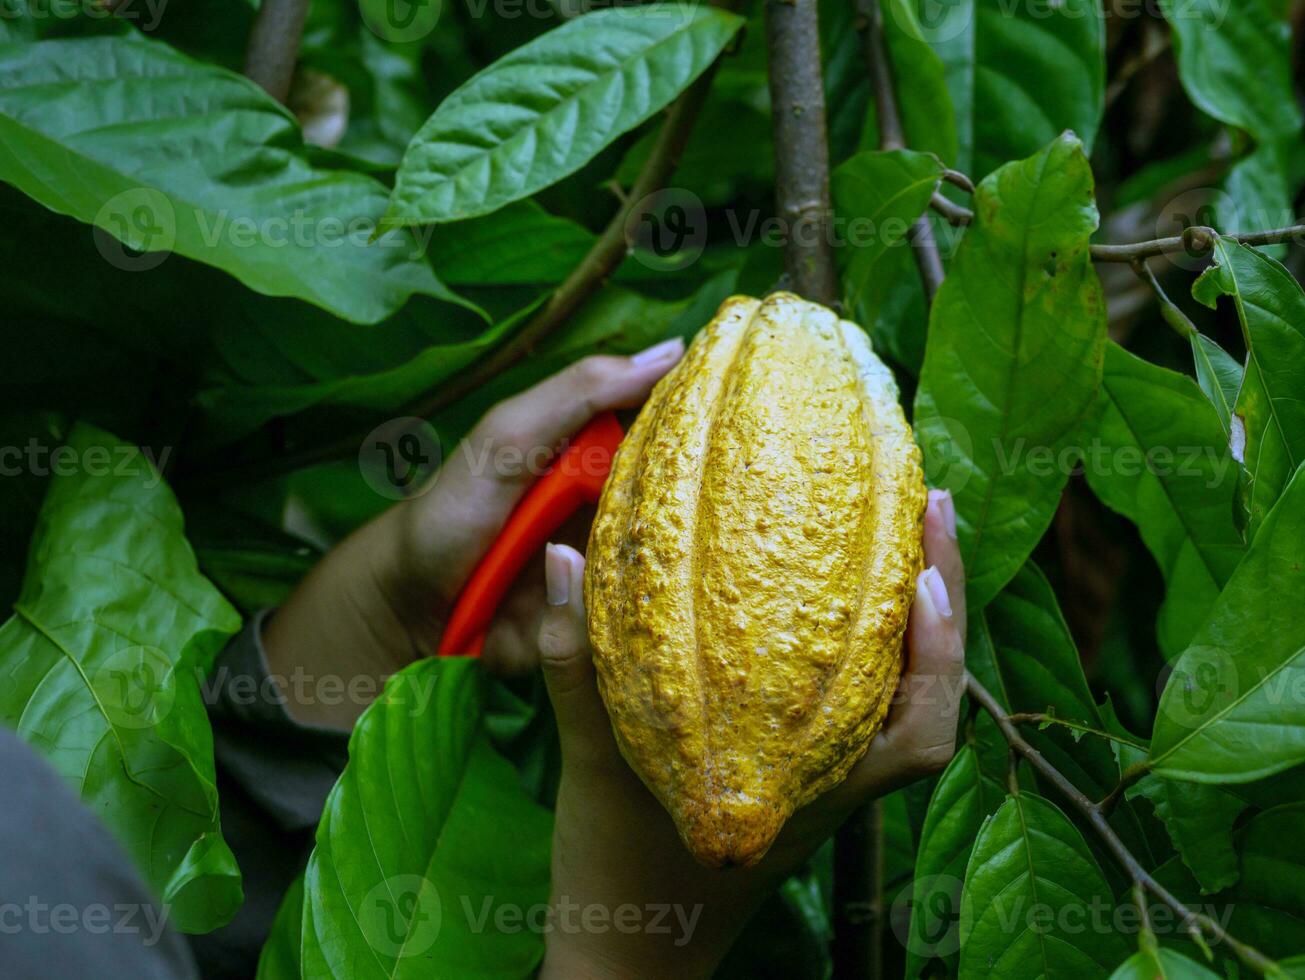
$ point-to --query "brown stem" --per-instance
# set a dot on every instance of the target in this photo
(274, 45)
(954, 214)
(1195, 240)
(797, 97)
(1197, 924)
(588, 276)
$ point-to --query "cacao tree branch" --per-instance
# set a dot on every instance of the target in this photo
(589, 275)
(797, 98)
(1195, 240)
(1197, 925)
(273, 46)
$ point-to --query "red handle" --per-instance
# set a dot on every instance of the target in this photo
(576, 477)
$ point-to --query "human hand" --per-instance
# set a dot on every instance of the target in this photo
(379, 600)
(614, 846)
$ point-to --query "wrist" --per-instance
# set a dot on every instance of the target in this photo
(341, 633)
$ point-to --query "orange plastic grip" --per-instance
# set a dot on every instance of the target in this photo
(576, 477)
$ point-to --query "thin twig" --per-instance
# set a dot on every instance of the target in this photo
(1042, 718)
(958, 179)
(1197, 924)
(588, 276)
(797, 98)
(954, 214)
(273, 45)
(1169, 310)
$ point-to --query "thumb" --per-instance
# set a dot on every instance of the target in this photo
(567, 660)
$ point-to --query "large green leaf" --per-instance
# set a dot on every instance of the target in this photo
(1016, 341)
(1160, 458)
(1037, 669)
(430, 858)
(543, 111)
(1235, 63)
(1231, 711)
(520, 244)
(1266, 908)
(963, 799)
(877, 197)
(165, 154)
(1032, 890)
(100, 668)
(920, 81)
(1018, 73)
(1271, 308)
(1199, 819)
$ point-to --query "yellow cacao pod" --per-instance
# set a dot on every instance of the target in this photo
(751, 568)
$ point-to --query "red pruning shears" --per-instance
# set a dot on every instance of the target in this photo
(576, 477)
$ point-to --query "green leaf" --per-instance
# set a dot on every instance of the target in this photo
(963, 799)
(542, 112)
(928, 119)
(1030, 881)
(1219, 376)
(1160, 458)
(520, 244)
(100, 668)
(1271, 308)
(877, 197)
(1159, 963)
(1037, 669)
(1266, 908)
(279, 959)
(90, 127)
(430, 858)
(1199, 820)
(1019, 74)
(1016, 341)
(1231, 711)
(1235, 63)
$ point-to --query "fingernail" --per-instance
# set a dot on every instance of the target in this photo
(942, 499)
(667, 350)
(937, 591)
(557, 576)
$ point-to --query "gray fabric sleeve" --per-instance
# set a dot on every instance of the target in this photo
(273, 778)
(71, 902)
